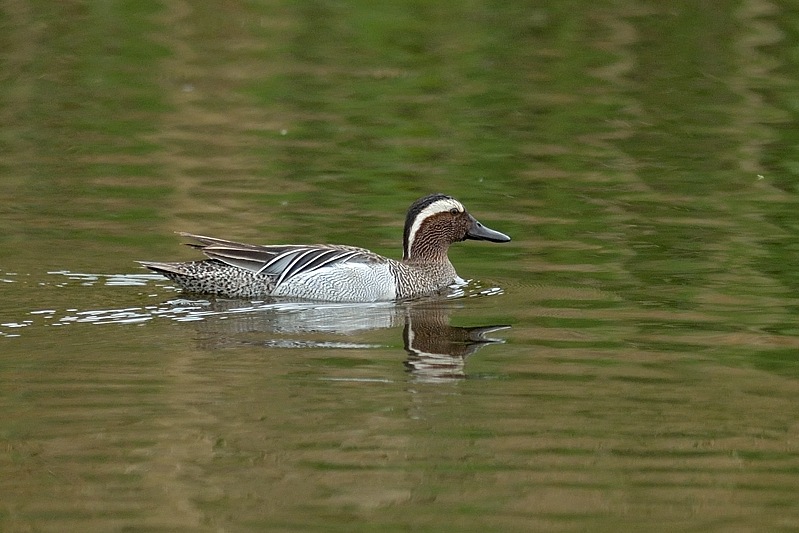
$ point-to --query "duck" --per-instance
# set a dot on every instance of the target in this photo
(335, 272)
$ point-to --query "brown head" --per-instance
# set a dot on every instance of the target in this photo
(436, 221)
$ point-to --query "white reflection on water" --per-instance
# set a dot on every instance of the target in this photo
(285, 315)
(112, 280)
(276, 316)
(437, 351)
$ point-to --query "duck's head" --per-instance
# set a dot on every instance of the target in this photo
(436, 221)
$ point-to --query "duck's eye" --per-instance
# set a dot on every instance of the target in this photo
(454, 211)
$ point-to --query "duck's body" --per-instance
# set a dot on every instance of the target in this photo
(316, 272)
(328, 272)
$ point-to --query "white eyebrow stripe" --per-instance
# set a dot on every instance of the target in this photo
(439, 206)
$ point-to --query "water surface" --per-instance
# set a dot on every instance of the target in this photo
(627, 362)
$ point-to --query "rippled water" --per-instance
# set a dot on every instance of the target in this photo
(629, 361)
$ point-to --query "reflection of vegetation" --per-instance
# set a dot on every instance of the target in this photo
(79, 110)
(644, 148)
(643, 155)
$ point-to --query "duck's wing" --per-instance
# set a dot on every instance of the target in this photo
(280, 261)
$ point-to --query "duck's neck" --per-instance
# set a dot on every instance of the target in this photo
(423, 252)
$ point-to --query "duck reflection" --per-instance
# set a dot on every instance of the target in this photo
(437, 351)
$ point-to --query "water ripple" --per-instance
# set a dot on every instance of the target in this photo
(281, 315)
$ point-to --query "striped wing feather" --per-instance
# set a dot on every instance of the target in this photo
(279, 261)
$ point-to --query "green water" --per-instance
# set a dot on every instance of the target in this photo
(642, 156)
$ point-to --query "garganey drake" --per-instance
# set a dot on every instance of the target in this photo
(332, 272)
